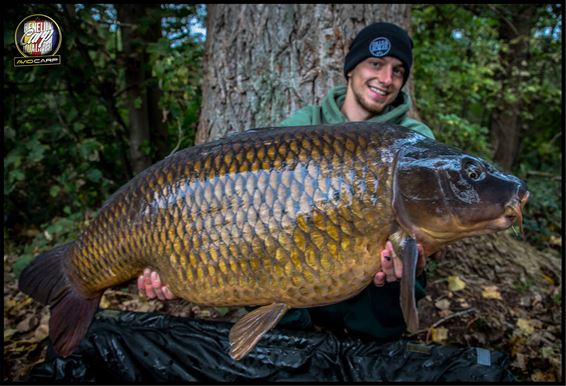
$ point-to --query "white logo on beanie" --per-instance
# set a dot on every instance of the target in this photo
(379, 47)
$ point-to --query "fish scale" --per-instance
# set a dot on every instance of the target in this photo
(279, 218)
(254, 185)
(263, 216)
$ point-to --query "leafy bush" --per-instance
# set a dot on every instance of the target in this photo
(458, 84)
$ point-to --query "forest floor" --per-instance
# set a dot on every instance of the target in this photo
(493, 300)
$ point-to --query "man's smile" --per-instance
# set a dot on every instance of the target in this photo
(378, 94)
(378, 90)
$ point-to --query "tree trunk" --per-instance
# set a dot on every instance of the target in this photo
(515, 27)
(141, 25)
(264, 62)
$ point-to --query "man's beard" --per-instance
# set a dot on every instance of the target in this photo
(370, 108)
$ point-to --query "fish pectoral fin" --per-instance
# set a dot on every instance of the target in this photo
(409, 254)
(247, 331)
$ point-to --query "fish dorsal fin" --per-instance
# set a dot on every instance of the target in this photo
(247, 331)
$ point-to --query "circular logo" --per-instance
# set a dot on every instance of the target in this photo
(379, 47)
(38, 35)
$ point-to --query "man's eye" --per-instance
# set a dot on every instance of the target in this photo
(399, 71)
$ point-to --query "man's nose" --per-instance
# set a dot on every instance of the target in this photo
(385, 76)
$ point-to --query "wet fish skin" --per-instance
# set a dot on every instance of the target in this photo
(291, 216)
(281, 218)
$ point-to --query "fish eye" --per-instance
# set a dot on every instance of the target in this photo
(473, 170)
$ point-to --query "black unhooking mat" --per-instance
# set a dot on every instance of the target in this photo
(130, 347)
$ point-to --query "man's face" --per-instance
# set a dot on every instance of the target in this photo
(376, 82)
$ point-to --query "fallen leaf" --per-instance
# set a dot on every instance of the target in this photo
(21, 345)
(443, 304)
(520, 362)
(8, 333)
(28, 324)
(439, 334)
(104, 302)
(41, 332)
(555, 240)
(463, 303)
(455, 283)
(517, 345)
(547, 352)
(548, 279)
(491, 292)
(525, 326)
(147, 307)
(9, 304)
(539, 376)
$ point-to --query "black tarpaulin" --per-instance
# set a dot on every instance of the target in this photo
(129, 347)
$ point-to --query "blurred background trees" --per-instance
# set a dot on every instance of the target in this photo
(489, 79)
(135, 80)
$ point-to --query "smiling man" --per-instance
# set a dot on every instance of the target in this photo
(376, 68)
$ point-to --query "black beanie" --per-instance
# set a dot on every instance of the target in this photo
(378, 40)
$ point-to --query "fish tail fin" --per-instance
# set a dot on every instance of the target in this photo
(45, 280)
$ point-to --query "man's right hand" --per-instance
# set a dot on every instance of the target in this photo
(149, 284)
(392, 267)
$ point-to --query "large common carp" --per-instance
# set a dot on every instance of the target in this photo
(279, 218)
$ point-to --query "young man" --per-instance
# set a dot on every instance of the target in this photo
(376, 68)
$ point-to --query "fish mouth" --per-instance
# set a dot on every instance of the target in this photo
(513, 213)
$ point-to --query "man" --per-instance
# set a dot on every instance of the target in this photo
(376, 68)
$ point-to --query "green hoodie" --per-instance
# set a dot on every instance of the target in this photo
(329, 112)
(376, 311)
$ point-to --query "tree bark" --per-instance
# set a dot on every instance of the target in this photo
(264, 62)
(141, 25)
(515, 27)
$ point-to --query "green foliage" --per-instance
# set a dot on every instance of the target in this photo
(460, 132)
(66, 127)
(460, 81)
(455, 59)
(58, 231)
(178, 71)
(543, 213)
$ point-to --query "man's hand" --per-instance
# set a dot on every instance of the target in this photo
(392, 267)
(149, 284)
